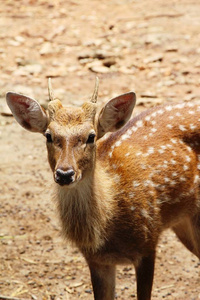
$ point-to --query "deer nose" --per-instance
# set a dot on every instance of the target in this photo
(64, 177)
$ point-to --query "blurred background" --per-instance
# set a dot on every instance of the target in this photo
(151, 47)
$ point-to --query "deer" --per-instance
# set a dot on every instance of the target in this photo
(120, 181)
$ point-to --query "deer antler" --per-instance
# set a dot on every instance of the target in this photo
(51, 95)
(95, 93)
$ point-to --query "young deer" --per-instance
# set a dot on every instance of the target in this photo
(117, 193)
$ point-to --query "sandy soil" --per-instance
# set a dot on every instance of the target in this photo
(151, 47)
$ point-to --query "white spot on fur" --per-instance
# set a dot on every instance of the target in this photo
(174, 153)
(174, 174)
(154, 114)
(127, 154)
(134, 129)
(146, 154)
(125, 137)
(151, 192)
(153, 129)
(136, 184)
(180, 105)
(171, 117)
(189, 149)
(182, 127)
(151, 150)
(198, 166)
(185, 167)
(145, 214)
(173, 162)
(160, 111)
(166, 179)
(178, 114)
(118, 143)
(188, 159)
(169, 146)
(147, 182)
(132, 208)
(174, 141)
(139, 123)
(196, 179)
(139, 153)
(153, 122)
(192, 126)
(110, 154)
(190, 104)
(168, 108)
(172, 182)
(191, 112)
(161, 151)
(147, 118)
(182, 178)
(129, 132)
(169, 126)
(163, 147)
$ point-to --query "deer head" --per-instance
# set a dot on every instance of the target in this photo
(71, 133)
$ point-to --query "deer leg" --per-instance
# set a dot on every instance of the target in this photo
(188, 232)
(103, 281)
(144, 275)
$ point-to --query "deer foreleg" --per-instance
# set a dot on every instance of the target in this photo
(144, 274)
(103, 281)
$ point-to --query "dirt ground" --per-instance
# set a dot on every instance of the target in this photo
(152, 47)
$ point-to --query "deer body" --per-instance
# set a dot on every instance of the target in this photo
(117, 194)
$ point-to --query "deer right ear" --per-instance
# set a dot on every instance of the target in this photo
(116, 113)
(27, 112)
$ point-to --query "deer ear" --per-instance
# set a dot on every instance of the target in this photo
(116, 113)
(27, 112)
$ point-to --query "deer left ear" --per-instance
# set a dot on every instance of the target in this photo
(116, 113)
(27, 112)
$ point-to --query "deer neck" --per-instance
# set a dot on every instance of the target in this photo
(85, 210)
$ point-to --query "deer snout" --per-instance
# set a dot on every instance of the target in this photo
(64, 177)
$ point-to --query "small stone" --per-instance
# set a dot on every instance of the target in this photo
(46, 49)
(14, 43)
(126, 70)
(33, 69)
(109, 62)
(154, 58)
(149, 102)
(99, 69)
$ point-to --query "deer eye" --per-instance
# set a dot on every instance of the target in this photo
(48, 137)
(91, 138)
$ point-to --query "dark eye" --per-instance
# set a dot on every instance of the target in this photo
(91, 138)
(48, 137)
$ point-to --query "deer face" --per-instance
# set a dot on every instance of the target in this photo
(71, 139)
